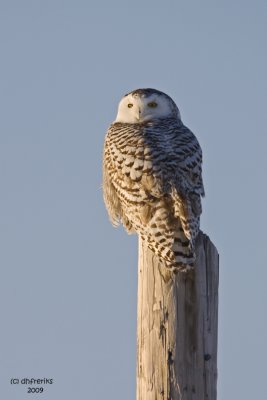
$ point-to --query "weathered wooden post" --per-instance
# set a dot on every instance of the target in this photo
(177, 327)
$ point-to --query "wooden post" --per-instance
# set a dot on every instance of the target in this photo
(177, 327)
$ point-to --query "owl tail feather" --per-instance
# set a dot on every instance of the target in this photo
(175, 252)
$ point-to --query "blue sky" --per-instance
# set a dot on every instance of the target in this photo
(68, 279)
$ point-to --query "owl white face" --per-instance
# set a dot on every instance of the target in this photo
(134, 109)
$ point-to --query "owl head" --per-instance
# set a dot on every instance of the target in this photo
(143, 105)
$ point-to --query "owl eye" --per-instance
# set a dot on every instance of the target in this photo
(152, 104)
(130, 105)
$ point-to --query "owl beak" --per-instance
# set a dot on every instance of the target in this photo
(138, 116)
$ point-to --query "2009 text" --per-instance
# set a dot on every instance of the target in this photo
(35, 390)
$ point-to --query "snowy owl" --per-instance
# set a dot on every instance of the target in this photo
(152, 176)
